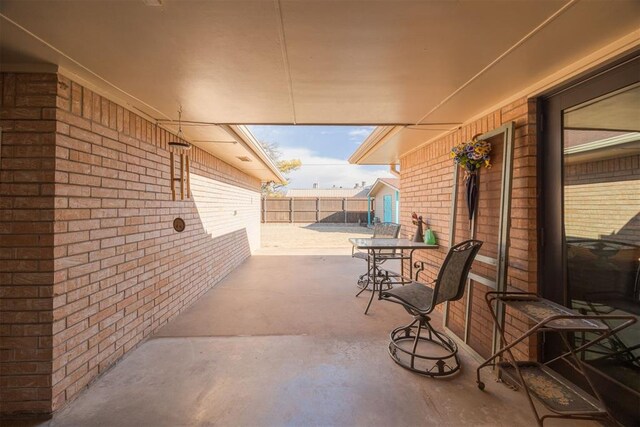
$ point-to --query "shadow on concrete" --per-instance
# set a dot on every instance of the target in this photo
(339, 228)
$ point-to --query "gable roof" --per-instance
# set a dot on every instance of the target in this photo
(393, 183)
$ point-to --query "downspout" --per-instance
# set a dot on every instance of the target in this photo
(397, 207)
(394, 171)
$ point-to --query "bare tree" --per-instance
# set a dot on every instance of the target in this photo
(271, 189)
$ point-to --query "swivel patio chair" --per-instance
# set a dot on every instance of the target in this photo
(384, 230)
(418, 346)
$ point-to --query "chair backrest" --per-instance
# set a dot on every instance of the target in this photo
(452, 277)
(388, 230)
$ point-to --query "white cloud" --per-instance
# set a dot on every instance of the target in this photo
(329, 171)
(360, 134)
(267, 133)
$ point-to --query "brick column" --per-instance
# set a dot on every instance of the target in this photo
(26, 241)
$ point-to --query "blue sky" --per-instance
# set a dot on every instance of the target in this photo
(324, 151)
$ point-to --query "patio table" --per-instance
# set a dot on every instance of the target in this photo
(372, 246)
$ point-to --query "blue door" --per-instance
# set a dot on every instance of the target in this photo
(386, 208)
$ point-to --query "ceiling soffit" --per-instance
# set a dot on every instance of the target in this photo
(392, 62)
(313, 62)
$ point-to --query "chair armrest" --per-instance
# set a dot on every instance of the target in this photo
(420, 265)
(392, 274)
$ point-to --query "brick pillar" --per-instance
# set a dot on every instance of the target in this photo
(26, 241)
(83, 268)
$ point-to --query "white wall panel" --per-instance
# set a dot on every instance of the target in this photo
(224, 208)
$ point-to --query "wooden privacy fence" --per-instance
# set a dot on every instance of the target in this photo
(314, 209)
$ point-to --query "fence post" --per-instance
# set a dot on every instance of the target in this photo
(317, 209)
(264, 209)
(344, 208)
(291, 210)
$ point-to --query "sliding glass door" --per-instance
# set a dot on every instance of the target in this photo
(590, 221)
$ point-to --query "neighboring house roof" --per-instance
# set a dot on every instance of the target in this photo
(328, 192)
(393, 183)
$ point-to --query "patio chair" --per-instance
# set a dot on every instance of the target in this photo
(384, 230)
(418, 346)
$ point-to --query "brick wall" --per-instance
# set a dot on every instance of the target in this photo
(117, 270)
(426, 188)
(26, 240)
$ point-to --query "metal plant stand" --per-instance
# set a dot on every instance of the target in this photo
(563, 398)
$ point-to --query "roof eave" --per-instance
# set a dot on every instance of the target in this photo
(379, 135)
(244, 136)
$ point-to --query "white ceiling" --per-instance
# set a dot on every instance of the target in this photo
(433, 63)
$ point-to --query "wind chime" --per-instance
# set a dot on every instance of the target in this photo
(181, 148)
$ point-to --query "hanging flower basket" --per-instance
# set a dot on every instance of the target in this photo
(471, 156)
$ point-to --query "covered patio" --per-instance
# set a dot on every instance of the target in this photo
(138, 288)
(282, 341)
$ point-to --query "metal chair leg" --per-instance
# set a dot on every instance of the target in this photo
(373, 292)
(362, 283)
(366, 279)
(361, 291)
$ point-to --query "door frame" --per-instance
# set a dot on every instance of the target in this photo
(551, 253)
(552, 256)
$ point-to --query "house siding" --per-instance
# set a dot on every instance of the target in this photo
(379, 202)
(108, 269)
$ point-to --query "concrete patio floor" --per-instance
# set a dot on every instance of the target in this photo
(301, 239)
(282, 341)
